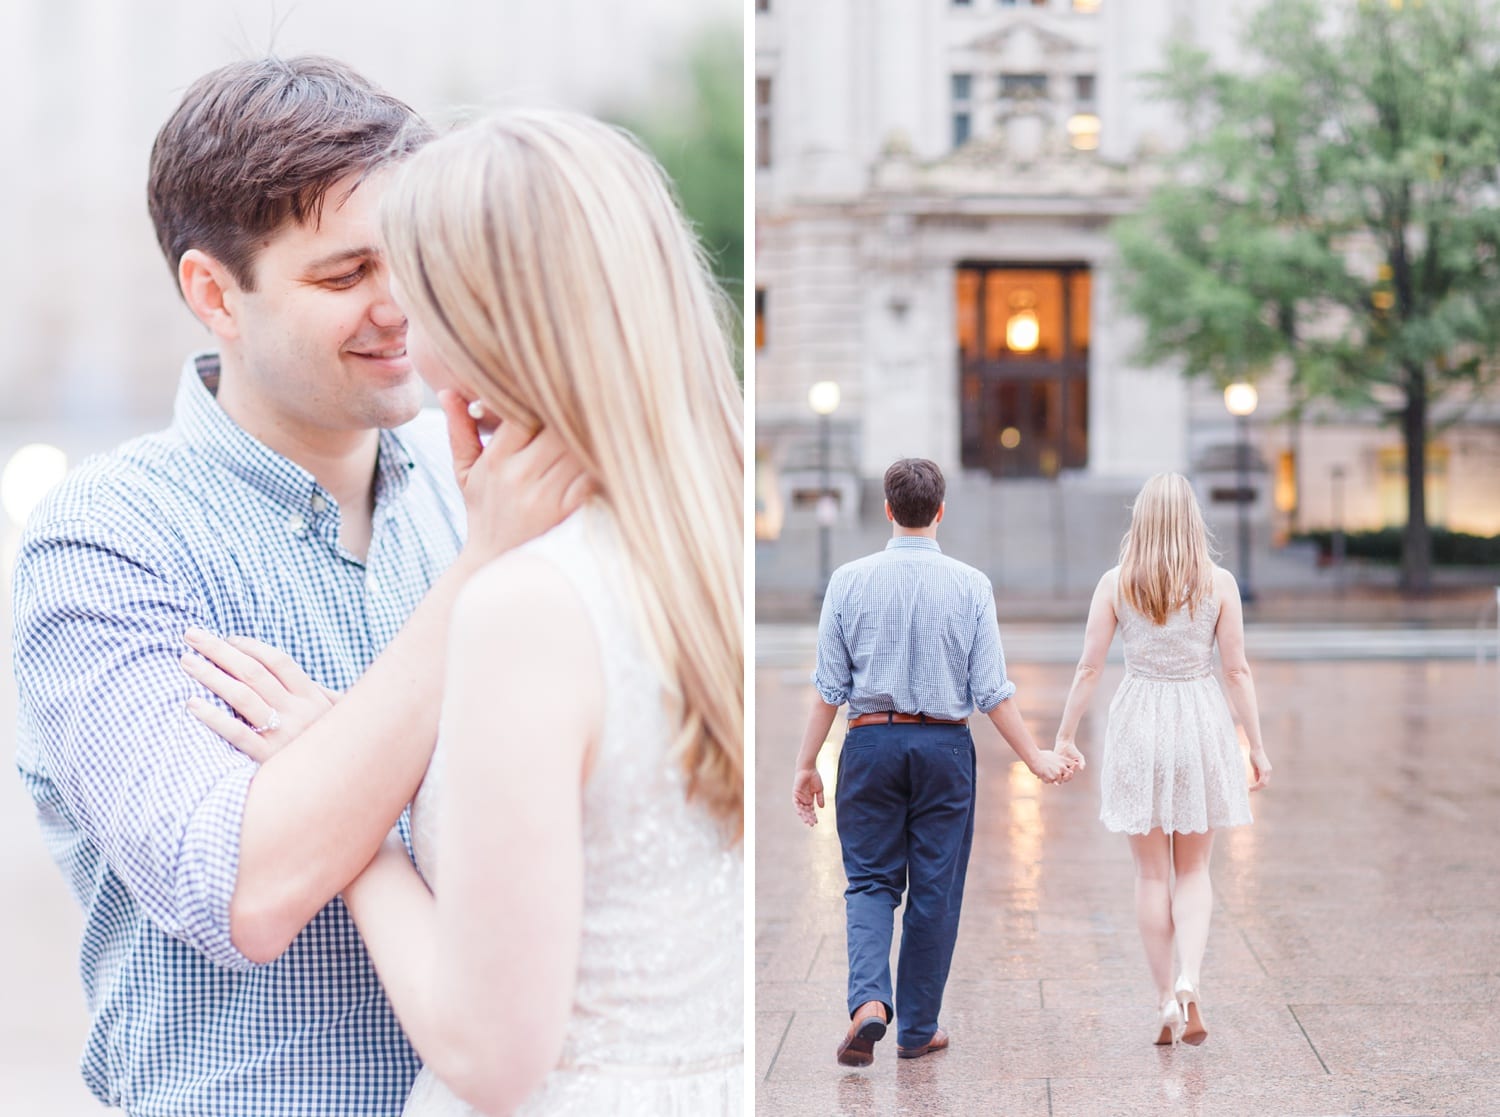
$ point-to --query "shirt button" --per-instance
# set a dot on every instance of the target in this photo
(318, 503)
(295, 523)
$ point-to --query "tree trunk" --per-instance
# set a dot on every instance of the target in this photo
(1416, 542)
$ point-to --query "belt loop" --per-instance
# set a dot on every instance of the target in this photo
(890, 717)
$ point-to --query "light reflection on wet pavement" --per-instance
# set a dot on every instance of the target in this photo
(1353, 964)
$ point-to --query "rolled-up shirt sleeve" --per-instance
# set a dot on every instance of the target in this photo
(834, 673)
(98, 638)
(988, 684)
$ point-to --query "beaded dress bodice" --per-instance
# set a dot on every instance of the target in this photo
(1183, 648)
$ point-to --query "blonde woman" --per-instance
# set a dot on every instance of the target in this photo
(1172, 773)
(579, 950)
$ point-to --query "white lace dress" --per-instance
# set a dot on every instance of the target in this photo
(657, 1025)
(1171, 756)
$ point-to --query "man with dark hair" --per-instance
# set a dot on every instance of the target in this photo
(908, 639)
(294, 499)
(914, 491)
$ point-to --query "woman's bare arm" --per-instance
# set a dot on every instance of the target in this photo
(1240, 687)
(1097, 635)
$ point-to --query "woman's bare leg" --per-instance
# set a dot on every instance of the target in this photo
(1192, 899)
(1153, 905)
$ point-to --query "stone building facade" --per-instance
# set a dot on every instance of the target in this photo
(935, 186)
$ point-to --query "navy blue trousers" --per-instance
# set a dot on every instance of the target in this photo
(905, 799)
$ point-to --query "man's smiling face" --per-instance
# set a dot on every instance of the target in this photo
(321, 343)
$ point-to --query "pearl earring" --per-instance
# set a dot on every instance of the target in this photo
(476, 409)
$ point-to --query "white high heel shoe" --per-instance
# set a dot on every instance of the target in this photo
(1194, 1031)
(1171, 1022)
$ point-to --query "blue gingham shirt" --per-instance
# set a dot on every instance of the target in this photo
(141, 805)
(910, 629)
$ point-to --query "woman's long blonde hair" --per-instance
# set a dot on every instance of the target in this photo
(544, 254)
(1165, 559)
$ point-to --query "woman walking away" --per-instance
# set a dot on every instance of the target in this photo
(1172, 772)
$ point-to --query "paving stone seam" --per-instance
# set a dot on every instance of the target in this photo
(1307, 1037)
(817, 950)
(1244, 938)
(771, 1066)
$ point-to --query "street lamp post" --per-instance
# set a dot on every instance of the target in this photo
(1337, 543)
(823, 398)
(1241, 398)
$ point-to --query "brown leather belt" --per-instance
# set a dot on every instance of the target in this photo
(889, 717)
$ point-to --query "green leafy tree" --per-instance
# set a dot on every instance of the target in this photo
(1335, 212)
(695, 126)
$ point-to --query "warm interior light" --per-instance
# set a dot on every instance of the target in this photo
(1010, 438)
(1083, 131)
(1023, 331)
(1241, 398)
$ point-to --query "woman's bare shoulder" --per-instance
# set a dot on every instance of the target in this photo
(520, 598)
(1224, 582)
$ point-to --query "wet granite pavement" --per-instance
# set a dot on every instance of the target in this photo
(1353, 965)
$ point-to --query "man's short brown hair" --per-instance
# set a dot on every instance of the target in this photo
(914, 489)
(255, 144)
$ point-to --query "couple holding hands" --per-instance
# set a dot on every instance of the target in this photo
(908, 638)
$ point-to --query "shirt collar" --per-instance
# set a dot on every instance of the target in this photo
(205, 427)
(912, 543)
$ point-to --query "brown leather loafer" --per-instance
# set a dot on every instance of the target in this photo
(865, 1030)
(938, 1042)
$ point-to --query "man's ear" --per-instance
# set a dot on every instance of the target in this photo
(210, 292)
(943, 507)
(888, 514)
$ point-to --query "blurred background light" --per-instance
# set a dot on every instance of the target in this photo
(28, 476)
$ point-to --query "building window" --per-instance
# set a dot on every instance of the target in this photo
(762, 122)
(1023, 85)
(1083, 88)
(1083, 131)
(963, 108)
(1023, 354)
(963, 3)
(762, 5)
(1024, 3)
(760, 319)
(1089, 6)
(1284, 494)
(1392, 485)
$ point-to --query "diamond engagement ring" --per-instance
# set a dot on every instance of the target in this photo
(270, 726)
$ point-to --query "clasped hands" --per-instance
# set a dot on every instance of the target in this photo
(1056, 766)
